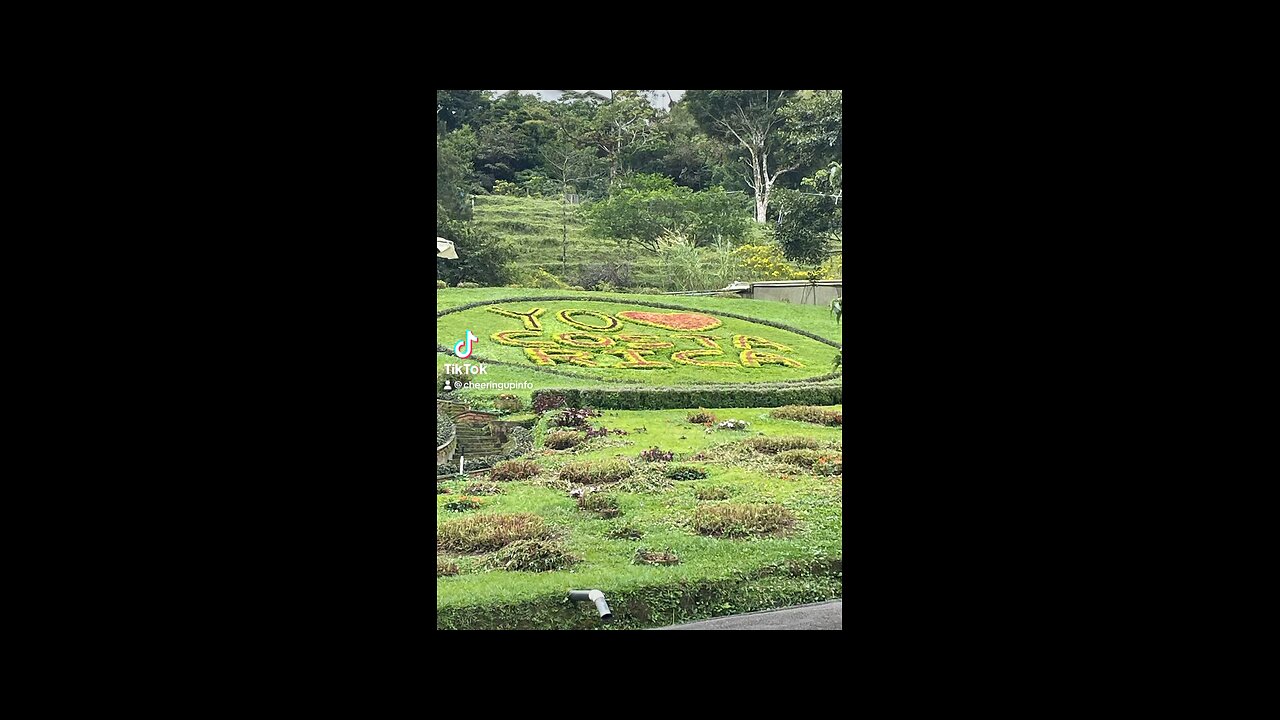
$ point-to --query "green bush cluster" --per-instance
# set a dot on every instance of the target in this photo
(510, 470)
(532, 556)
(803, 458)
(692, 396)
(775, 445)
(596, 471)
(684, 472)
(467, 285)
(482, 533)
(809, 414)
(483, 488)
(440, 284)
(734, 520)
(563, 439)
(603, 504)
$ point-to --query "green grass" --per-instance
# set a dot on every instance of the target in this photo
(716, 576)
(533, 225)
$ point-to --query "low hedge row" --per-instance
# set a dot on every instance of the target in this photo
(699, 396)
(663, 603)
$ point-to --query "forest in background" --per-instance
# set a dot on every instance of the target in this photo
(607, 193)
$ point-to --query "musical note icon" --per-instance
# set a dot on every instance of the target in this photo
(468, 340)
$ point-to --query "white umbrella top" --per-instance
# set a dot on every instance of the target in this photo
(445, 249)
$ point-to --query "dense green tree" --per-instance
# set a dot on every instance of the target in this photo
(810, 218)
(644, 207)
(753, 120)
(454, 153)
(482, 257)
(456, 108)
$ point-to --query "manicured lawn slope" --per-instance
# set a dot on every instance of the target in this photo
(815, 356)
(716, 575)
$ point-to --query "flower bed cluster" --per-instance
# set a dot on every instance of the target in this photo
(603, 504)
(633, 350)
(809, 414)
(596, 471)
(533, 556)
(733, 520)
(484, 533)
(463, 503)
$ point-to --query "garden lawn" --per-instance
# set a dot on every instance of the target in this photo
(716, 576)
(816, 357)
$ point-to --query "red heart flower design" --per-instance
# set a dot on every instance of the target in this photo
(688, 322)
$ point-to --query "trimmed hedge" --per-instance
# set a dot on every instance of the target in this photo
(674, 600)
(700, 396)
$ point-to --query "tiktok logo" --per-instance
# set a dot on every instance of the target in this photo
(467, 341)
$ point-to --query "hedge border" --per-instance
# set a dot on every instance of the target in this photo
(654, 605)
(650, 398)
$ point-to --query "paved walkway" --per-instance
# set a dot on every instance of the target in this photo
(816, 616)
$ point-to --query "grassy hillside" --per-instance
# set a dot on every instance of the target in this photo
(533, 226)
(715, 575)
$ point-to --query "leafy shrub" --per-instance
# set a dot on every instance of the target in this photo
(579, 288)
(463, 503)
(445, 469)
(445, 568)
(544, 401)
(685, 473)
(592, 472)
(732, 425)
(647, 291)
(563, 440)
(603, 504)
(611, 275)
(656, 455)
(572, 417)
(809, 414)
(533, 556)
(467, 285)
(702, 417)
(624, 532)
(509, 470)
(483, 488)
(444, 429)
(655, 557)
(482, 533)
(693, 396)
(508, 403)
(775, 445)
(712, 493)
(803, 458)
(540, 278)
(440, 284)
(734, 520)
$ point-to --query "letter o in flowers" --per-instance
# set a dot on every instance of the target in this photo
(592, 341)
(610, 323)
